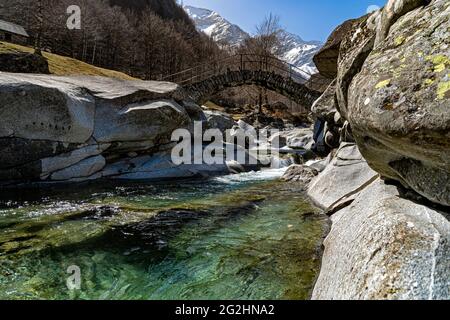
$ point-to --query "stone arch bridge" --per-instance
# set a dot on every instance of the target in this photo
(204, 81)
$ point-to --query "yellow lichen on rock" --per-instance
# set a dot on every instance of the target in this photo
(440, 62)
(383, 84)
(399, 40)
(443, 90)
(428, 82)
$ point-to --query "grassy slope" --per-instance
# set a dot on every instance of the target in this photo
(64, 66)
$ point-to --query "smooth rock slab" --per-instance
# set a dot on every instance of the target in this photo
(83, 169)
(346, 173)
(158, 167)
(299, 173)
(144, 121)
(67, 160)
(386, 247)
(45, 111)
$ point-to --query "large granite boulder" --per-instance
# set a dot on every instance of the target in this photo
(34, 109)
(385, 247)
(325, 107)
(73, 129)
(326, 59)
(393, 10)
(18, 151)
(392, 89)
(355, 47)
(142, 121)
(398, 104)
(299, 138)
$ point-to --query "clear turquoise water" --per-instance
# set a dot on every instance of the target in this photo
(238, 237)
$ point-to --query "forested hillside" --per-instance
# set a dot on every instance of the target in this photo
(144, 38)
(166, 9)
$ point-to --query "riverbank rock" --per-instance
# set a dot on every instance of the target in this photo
(398, 104)
(324, 108)
(299, 138)
(143, 121)
(392, 92)
(73, 129)
(386, 247)
(345, 175)
(326, 59)
(300, 173)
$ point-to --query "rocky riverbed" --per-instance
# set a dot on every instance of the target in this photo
(245, 236)
(382, 131)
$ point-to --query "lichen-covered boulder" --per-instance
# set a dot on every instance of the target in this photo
(355, 48)
(326, 59)
(399, 103)
(393, 10)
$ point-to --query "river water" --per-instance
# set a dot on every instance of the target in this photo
(247, 236)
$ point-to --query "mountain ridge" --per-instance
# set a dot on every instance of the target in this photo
(215, 26)
(294, 49)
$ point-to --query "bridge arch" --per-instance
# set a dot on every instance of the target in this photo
(202, 91)
(204, 81)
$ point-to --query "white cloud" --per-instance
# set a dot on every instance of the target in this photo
(372, 8)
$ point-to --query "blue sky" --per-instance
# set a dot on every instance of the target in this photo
(310, 19)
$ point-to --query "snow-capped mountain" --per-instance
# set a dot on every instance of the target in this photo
(293, 50)
(300, 53)
(215, 26)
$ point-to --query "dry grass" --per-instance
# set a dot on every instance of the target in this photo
(65, 66)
